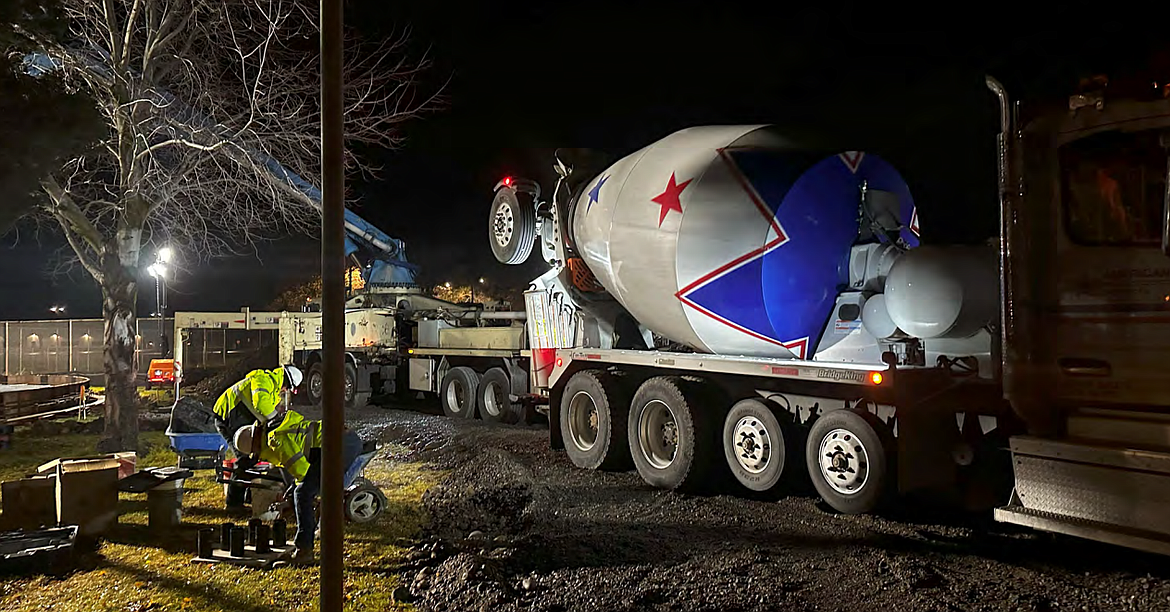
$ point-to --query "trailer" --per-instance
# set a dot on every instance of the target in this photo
(473, 360)
(734, 304)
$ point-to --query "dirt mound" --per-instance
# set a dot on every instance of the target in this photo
(210, 388)
(456, 511)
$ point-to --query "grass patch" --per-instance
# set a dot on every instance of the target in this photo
(135, 569)
(162, 395)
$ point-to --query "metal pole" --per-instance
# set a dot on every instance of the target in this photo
(332, 303)
(158, 306)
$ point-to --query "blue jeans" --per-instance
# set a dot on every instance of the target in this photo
(306, 491)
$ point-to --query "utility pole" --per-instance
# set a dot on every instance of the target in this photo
(332, 303)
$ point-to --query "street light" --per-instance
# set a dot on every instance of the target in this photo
(158, 270)
(481, 281)
(60, 310)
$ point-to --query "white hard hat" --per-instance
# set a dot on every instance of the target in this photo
(293, 375)
(245, 438)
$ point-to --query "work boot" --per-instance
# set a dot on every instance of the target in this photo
(237, 510)
(304, 556)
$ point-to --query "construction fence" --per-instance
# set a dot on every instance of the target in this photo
(75, 346)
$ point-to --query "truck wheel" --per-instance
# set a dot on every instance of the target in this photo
(593, 417)
(494, 405)
(846, 459)
(511, 227)
(757, 447)
(672, 440)
(353, 399)
(458, 392)
(316, 383)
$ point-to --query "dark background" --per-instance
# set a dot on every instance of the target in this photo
(525, 78)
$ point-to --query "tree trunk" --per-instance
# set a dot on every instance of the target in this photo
(119, 297)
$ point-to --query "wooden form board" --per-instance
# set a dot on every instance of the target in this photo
(250, 559)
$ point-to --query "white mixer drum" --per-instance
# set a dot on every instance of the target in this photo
(730, 239)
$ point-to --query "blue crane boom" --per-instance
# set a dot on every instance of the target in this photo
(389, 268)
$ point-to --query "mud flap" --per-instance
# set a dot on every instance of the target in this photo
(925, 440)
(555, 440)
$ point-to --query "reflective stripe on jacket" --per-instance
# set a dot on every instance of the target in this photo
(289, 444)
(259, 392)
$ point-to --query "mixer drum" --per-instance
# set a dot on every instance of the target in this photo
(731, 239)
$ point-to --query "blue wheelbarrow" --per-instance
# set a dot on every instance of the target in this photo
(363, 500)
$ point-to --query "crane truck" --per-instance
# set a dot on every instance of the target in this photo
(734, 304)
(400, 340)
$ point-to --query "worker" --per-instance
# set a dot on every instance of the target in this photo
(257, 399)
(295, 445)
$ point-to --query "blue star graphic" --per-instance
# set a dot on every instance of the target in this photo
(784, 291)
(595, 193)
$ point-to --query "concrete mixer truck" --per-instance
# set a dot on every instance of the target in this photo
(731, 305)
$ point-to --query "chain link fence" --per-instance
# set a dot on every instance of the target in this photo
(75, 346)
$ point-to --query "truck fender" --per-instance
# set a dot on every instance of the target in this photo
(520, 185)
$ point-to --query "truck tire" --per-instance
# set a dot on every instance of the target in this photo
(494, 406)
(315, 383)
(847, 460)
(594, 409)
(458, 391)
(511, 227)
(673, 440)
(353, 398)
(758, 446)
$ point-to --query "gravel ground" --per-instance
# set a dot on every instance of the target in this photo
(516, 527)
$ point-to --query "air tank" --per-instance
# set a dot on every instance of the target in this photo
(731, 239)
(943, 292)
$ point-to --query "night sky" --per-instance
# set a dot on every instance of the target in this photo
(532, 77)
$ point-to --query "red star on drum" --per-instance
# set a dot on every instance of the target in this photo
(668, 200)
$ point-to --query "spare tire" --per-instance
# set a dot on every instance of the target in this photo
(511, 227)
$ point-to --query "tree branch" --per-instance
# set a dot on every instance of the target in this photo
(65, 209)
(79, 248)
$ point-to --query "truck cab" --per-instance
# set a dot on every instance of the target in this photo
(1085, 280)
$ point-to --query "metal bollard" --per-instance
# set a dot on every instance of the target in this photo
(253, 525)
(279, 533)
(262, 533)
(225, 536)
(204, 542)
(238, 534)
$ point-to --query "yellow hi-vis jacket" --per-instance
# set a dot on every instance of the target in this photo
(289, 443)
(259, 392)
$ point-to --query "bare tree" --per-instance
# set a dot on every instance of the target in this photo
(212, 108)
